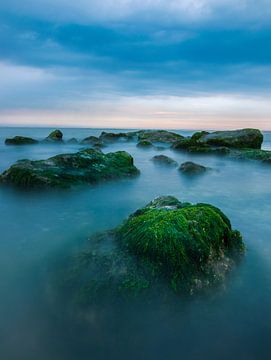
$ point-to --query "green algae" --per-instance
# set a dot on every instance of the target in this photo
(87, 166)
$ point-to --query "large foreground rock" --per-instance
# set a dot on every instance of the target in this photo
(167, 243)
(86, 166)
(20, 140)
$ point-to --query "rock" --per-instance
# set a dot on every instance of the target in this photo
(159, 136)
(192, 168)
(86, 166)
(93, 140)
(239, 139)
(164, 160)
(111, 137)
(54, 137)
(144, 144)
(183, 246)
(180, 242)
(72, 141)
(20, 140)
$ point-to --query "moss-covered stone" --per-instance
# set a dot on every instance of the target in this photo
(112, 137)
(159, 136)
(20, 140)
(144, 144)
(164, 160)
(180, 242)
(238, 144)
(244, 138)
(167, 243)
(86, 166)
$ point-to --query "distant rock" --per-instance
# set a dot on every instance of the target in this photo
(86, 166)
(112, 137)
(164, 160)
(72, 141)
(192, 168)
(239, 139)
(242, 144)
(20, 140)
(54, 137)
(93, 141)
(162, 136)
(144, 144)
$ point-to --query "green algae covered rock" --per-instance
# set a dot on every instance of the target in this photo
(183, 243)
(20, 140)
(239, 139)
(144, 144)
(159, 136)
(165, 245)
(65, 170)
(112, 137)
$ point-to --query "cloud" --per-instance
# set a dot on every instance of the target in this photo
(88, 56)
(150, 11)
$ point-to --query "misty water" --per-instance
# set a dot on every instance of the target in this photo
(38, 229)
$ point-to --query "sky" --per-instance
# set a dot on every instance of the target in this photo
(176, 64)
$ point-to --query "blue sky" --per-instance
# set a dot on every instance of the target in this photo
(172, 64)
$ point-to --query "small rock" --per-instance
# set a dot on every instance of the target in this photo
(164, 160)
(192, 168)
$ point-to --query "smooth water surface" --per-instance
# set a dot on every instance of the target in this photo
(38, 228)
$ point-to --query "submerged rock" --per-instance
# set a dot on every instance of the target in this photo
(20, 140)
(111, 137)
(164, 160)
(93, 141)
(166, 243)
(54, 137)
(144, 144)
(86, 166)
(72, 141)
(192, 168)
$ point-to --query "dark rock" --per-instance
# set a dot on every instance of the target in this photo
(54, 137)
(239, 139)
(159, 136)
(164, 160)
(111, 137)
(72, 141)
(192, 168)
(20, 140)
(93, 141)
(86, 166)
(144, 144)
(186, 247)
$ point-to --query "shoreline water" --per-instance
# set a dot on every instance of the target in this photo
(39, 228)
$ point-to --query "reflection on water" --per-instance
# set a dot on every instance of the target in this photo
(38, 229)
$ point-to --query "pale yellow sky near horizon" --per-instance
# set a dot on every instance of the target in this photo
(172, 112)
